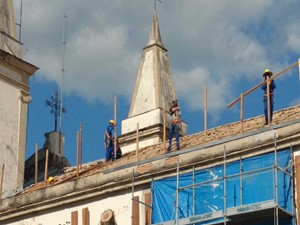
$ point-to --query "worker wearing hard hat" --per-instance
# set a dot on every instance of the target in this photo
(175, 123)
(109, 140)
(264, 87)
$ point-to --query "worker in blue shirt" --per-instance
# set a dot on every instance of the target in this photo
(109, 141)
(272, 86)
(175, 123)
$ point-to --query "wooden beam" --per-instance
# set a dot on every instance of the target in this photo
(261, 83)
(36, 165)
(77, 154)
(165, 129)
(46, 166)
(299, 67)
(115, 129)
(137, 142)
(242, 112)
(268, 99)
(205, 108)
(80, 146)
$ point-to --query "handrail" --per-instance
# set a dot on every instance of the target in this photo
(263, 82)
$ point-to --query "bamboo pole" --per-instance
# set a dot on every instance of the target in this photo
(77, 155)
(46, 166)
(164, 127)
(299, 67)
(268, 99)
(36, 164)
(1, 182)
(80, 146)
(261, 83)
(205, 109)
(137, 142)
(242, 112)
(115, 128)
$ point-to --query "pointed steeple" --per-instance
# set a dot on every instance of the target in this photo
(154, 85)
(154, 91)
(8, 34)
(155, 37)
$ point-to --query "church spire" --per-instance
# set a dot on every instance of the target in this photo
(154, 91)
(155, 37)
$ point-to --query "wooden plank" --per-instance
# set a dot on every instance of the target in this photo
(147, 209)
(74, 218)
(136, 210)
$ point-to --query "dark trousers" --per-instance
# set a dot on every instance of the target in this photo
(174, 130)
(109, 152)
(266, 108)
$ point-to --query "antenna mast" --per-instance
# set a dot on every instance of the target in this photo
(63, 70)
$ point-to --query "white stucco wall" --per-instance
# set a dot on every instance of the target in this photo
(9, 135)
(145, 120)
(121, 205)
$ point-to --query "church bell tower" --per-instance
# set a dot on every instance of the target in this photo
(14, 100)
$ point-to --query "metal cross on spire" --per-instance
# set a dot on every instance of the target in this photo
(155, 3)
(56, 108)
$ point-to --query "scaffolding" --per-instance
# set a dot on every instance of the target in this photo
(266, 211)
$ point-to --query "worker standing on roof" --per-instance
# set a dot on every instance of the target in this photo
(109, 141)
(175, 122)
(267, 74)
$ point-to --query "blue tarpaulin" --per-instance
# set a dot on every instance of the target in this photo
(248, 181)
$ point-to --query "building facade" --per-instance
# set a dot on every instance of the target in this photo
(14, 100)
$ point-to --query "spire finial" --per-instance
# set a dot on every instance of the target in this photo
(155, 4)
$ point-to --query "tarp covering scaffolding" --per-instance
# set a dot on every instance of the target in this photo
(221, 192)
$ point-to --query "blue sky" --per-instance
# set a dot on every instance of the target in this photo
(224, 45)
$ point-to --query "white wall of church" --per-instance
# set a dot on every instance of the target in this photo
(121, 206)
(9, 136)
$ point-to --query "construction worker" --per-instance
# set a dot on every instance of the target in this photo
(175, 122)
(109, 141)
(264, 87)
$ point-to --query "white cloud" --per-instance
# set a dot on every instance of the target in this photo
(220, 44)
